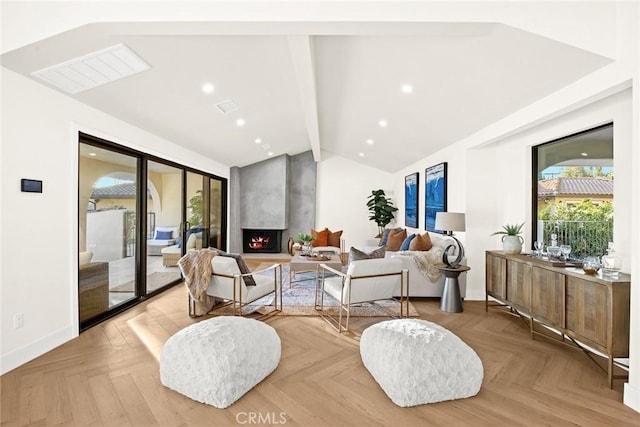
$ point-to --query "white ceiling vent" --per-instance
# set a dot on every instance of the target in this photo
(94, 69)
(227, 106)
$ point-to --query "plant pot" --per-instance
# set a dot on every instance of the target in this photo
(307, 248)
(512, 244)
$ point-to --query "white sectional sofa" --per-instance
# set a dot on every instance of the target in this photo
(419, 285)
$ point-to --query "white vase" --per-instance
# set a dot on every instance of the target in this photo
(512, 244)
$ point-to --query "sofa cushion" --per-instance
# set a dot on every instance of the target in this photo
(322, 237)
(395, 239)
(173, 230)
(357, 255)
(242, 265)
(384, 236)
(422, 242)
(163, 235)
(334, 238)
(405, 244)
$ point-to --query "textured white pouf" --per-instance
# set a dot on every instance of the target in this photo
(416, 362)
(217, 361)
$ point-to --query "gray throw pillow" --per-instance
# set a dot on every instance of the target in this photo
(242, 265)
(357, 255)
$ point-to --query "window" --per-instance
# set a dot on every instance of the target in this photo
(573, 191)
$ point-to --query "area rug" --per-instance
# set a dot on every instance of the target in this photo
(299, 300)
(155, 280)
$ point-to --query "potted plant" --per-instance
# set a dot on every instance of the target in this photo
(511, 240)
(381, 209)
(306, 240)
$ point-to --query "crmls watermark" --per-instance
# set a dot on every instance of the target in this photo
(269, 418)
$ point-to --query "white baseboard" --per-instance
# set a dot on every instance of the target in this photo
(631, 397)
(474, 296)
(15, 358)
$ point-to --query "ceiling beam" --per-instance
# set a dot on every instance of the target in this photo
(304, 68)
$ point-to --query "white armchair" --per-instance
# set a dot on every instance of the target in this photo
(365, 281)
(228, 282)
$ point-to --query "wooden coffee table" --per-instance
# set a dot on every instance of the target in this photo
(301, 264)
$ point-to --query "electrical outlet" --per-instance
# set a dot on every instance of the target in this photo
(18, 321)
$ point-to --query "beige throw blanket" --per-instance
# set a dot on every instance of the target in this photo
(426, 261)
(196, 269)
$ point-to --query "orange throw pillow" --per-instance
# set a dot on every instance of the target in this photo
(322, 237)
(334, 238)
(422, 242)
(395, 240)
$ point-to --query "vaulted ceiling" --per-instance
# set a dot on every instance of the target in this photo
(324, 87)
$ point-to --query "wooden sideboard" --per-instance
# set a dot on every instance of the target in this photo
(589, 309)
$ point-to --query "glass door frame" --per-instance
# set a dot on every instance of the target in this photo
(142, 160)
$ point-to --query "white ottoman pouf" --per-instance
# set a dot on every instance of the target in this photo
(416, 362)
(217, 361)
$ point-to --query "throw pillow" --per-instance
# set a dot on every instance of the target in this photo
(405, 244)
(385, 236)
(242, 266)
(395, 240)
(322, 237)
(163, 235)
(334, 238)
(422, 242)
(357, 255)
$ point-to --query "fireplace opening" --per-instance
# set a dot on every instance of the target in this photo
(261, 241)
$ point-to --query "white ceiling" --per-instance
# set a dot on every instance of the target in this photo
(318, 87)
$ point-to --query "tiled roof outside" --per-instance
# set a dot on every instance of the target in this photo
(587, 186)
(118, 191)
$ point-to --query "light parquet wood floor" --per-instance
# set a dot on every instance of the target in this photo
(109, 376)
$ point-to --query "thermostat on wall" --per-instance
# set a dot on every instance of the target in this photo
(30, 185)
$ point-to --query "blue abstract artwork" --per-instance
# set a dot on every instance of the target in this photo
(435, 194)
(411, 200)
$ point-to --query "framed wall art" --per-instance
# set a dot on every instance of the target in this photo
(411, 183)
(435, 193)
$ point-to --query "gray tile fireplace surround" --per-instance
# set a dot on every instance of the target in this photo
(275, 194)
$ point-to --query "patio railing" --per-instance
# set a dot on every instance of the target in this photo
(587, 238)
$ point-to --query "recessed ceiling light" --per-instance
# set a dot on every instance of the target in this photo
(92, 154)
(361, 154)
(370, 141)
(240, 122)
(584, 154)
(270, 153)
(207, 88)
(406, 88)
(383, 123)
(258, 141)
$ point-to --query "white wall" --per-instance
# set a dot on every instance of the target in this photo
(40, 231)
(341, 197)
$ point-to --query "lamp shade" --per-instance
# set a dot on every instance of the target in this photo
(449, 221)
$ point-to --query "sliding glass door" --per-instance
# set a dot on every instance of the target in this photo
(107, 231)
(163, 230)
(205, 226)
(138, 215)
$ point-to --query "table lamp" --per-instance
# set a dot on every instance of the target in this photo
(450, 222)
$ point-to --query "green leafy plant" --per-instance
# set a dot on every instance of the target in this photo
(381, 209)
(510, 230)
(196, 206)
(306, 238)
